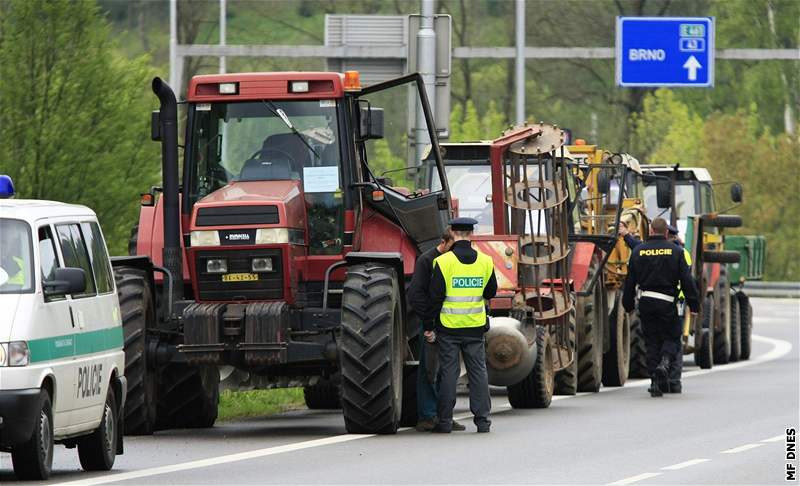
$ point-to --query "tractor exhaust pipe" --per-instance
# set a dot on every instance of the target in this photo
(509, 354)
(168, 129)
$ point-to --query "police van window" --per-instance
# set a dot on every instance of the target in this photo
(16, 257)
(75, 255)
(98, 256)
(48, 259)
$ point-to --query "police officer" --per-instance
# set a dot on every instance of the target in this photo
(419, 298)
(462, 282)
(657, 267)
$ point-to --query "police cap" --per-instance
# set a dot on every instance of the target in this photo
(672, 230)
(463, 224)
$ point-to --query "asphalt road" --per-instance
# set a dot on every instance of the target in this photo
(728, 427)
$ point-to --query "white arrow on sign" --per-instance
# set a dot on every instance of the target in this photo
(692, 65)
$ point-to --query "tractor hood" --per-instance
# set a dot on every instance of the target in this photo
(252, 204)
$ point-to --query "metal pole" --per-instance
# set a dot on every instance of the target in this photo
(173, 45)
(520, 63)
(222, 27)
(426, 66)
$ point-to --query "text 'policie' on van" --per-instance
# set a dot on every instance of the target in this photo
(61, 339)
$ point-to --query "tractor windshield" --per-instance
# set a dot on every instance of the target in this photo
(685, 202)
(260, 141)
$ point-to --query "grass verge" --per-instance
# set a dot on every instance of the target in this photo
(254, 403)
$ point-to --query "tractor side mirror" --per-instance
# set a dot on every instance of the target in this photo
(603, 181)
(371, 123)
(736, 192)
(663, 193)
(155, 126)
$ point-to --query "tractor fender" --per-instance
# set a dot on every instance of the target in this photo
(581, 264)
(390, 259)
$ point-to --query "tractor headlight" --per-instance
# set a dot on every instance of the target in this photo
(261, 265)
(15, 353)
(217, 265)
(204, 238)
(269, 236)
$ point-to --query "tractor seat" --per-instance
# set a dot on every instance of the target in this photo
(278, 169)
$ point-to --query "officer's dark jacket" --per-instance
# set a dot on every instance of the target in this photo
(465, 254)
(658, 265)
(418, 294)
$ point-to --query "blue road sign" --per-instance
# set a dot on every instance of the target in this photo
(665, 51)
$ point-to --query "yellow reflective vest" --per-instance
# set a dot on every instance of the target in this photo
(464, 305)
(688, 257)
(19, 277)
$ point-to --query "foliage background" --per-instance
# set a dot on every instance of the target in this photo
(74, 92)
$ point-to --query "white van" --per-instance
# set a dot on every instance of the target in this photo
(61, 339)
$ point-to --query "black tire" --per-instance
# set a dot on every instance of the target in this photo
(566, 379)
(704, 344)
(592, 314)
(616, 361)
(188, 396)
(638, 357)
(722, 220)
(736, 335)
(721, 257)
(536, 390)
(323, 395)
(34, 459)
(745, 324)
(372, 350)
(138, 314)
(722, 322)
(98, 451)
(133, 240)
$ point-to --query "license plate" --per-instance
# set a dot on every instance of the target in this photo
(239, 277)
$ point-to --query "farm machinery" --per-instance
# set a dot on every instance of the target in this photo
(283, 249)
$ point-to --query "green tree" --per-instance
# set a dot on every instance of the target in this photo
(73, 115)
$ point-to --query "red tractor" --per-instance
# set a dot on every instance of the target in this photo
(284, 248)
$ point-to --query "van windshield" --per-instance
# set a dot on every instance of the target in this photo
(16, 257)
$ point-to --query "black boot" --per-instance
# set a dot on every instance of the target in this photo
(655, 390)
(661, 376)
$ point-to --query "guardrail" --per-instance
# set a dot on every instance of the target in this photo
(755, 288)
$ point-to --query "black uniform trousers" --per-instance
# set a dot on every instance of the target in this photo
(473, 350)
(662, 331)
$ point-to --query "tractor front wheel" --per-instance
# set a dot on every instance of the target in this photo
(536, 390)
(372, 350)
(616, 360)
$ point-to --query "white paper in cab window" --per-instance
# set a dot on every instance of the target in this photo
(321, 179)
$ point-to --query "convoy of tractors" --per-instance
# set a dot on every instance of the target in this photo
(280, 249)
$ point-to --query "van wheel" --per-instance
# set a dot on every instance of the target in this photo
(98, 451)
(34, 458)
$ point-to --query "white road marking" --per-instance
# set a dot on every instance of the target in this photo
(780, 348)
(635, 479)
(742, 448)
(777, 438)
(683, 465)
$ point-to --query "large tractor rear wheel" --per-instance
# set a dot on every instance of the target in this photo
(616, 360)
(722, 322)
(638, 358)
(137, 314)
(372, 350)
(745, 324)
(536, 390)
(324, 395)
(704, 343)
(736, 335)
(592, 313)
(566, 379)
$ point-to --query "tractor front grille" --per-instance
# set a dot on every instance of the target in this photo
(212, 287)
(237, 215)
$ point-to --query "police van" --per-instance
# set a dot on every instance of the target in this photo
(61, 338)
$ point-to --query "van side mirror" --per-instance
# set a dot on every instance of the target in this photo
(371, 123)
(65, 281)
(663, 193)
(155, 126)
(736, 192)
(603, 181)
